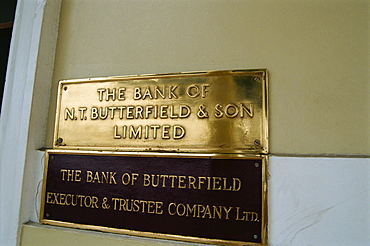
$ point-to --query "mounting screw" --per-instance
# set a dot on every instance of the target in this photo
(65, 88)
(257, 142)
(59, 142)
(255, 236)
(47, 215)
(256, 79)
(256, 164)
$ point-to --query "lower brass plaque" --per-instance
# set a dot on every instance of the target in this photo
(198, 198)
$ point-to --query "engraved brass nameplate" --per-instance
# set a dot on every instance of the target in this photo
(221, 111)
(201, 198)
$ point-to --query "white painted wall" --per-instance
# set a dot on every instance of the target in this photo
(319, 201)
(24, 113)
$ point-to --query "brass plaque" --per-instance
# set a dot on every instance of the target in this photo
(217, 199)
(221, 111)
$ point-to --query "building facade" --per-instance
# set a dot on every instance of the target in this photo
(317, 55)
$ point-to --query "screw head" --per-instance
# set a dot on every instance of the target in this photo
(257, 142)
(256, 79)
(255, 236)
(60, 140)
(256, 164)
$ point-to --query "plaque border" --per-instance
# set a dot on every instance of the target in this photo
(263, 158)
(263, 72)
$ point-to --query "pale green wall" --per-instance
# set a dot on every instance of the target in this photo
(317, 53)
(37, 235)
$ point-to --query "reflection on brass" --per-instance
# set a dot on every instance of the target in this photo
(222, 111)
(134, 193)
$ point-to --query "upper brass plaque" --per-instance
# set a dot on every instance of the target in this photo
(220, 111)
